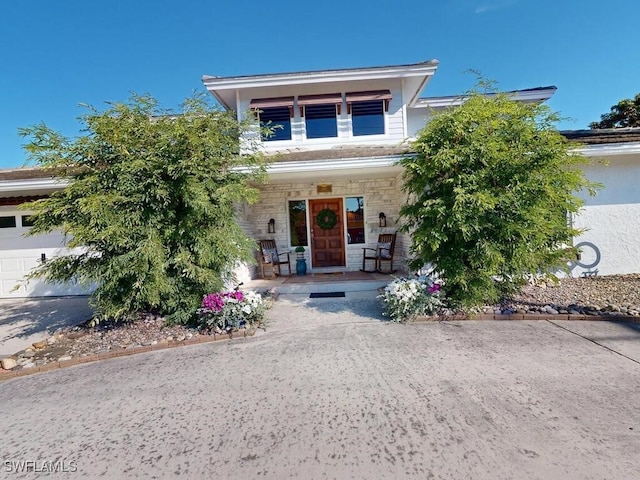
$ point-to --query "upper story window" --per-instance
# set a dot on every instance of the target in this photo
(367, 118)
(367, 111)
(274, 113)
(320, 113)
(321, 121)
(278, 120)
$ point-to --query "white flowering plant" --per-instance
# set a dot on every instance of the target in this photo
(230, 310)
(406, 298)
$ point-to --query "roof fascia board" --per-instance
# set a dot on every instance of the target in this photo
(329, 165)
(519, 96)
(32, 184)
(222, 83)
(609, 149)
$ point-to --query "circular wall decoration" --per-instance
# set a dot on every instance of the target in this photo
(326, 219)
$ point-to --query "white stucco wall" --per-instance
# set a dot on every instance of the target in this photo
(612, 217)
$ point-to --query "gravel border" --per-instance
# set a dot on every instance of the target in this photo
(20, 371)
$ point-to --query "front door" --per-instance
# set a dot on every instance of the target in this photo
(327, 241)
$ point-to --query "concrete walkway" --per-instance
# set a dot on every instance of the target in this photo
(24, 320)
(330, 391)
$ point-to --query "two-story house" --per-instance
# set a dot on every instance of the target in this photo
(339, 136)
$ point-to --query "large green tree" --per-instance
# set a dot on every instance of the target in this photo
(149, 204)
(490, 190)
(625, 113)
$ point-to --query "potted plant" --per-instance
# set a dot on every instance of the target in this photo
(301, 262)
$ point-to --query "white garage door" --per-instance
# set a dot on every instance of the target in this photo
(19, 254)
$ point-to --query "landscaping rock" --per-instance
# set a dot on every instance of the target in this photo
(8, 363)
(76, 335)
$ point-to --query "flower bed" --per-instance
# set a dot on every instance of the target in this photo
(228, 311)
(407, 298)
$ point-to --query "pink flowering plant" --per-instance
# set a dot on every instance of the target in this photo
(229, 310)
(406, 298)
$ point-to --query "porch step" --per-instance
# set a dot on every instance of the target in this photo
(349, 286)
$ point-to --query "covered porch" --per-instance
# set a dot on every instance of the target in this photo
(333, 207)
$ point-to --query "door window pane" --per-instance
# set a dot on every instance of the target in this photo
(298, 223)
(355, 219)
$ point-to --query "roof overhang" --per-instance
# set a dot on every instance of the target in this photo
(362, 168)
(225, 88)
(286, 171)
(30, 186)
(531, 95)
(609, 149)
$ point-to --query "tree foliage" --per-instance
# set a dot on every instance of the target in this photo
(149, 207)
(490, 189)
(625, 113)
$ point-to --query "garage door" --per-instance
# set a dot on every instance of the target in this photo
(19, 254)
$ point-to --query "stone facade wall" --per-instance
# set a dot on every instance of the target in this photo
(380, 195)
(244, 272)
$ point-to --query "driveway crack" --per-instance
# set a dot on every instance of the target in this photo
(595, 342)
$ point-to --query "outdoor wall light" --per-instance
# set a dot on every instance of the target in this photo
(383, 219)
(271, 226)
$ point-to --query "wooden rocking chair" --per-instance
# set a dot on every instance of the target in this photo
(382, 253)
(269, 256)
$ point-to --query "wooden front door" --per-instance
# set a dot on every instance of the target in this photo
(327, 245)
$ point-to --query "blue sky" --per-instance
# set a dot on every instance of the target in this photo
(56, 55)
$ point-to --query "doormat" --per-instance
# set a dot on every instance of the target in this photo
(326, 295)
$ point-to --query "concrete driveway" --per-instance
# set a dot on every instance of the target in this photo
(27, 320)
(330, 391)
